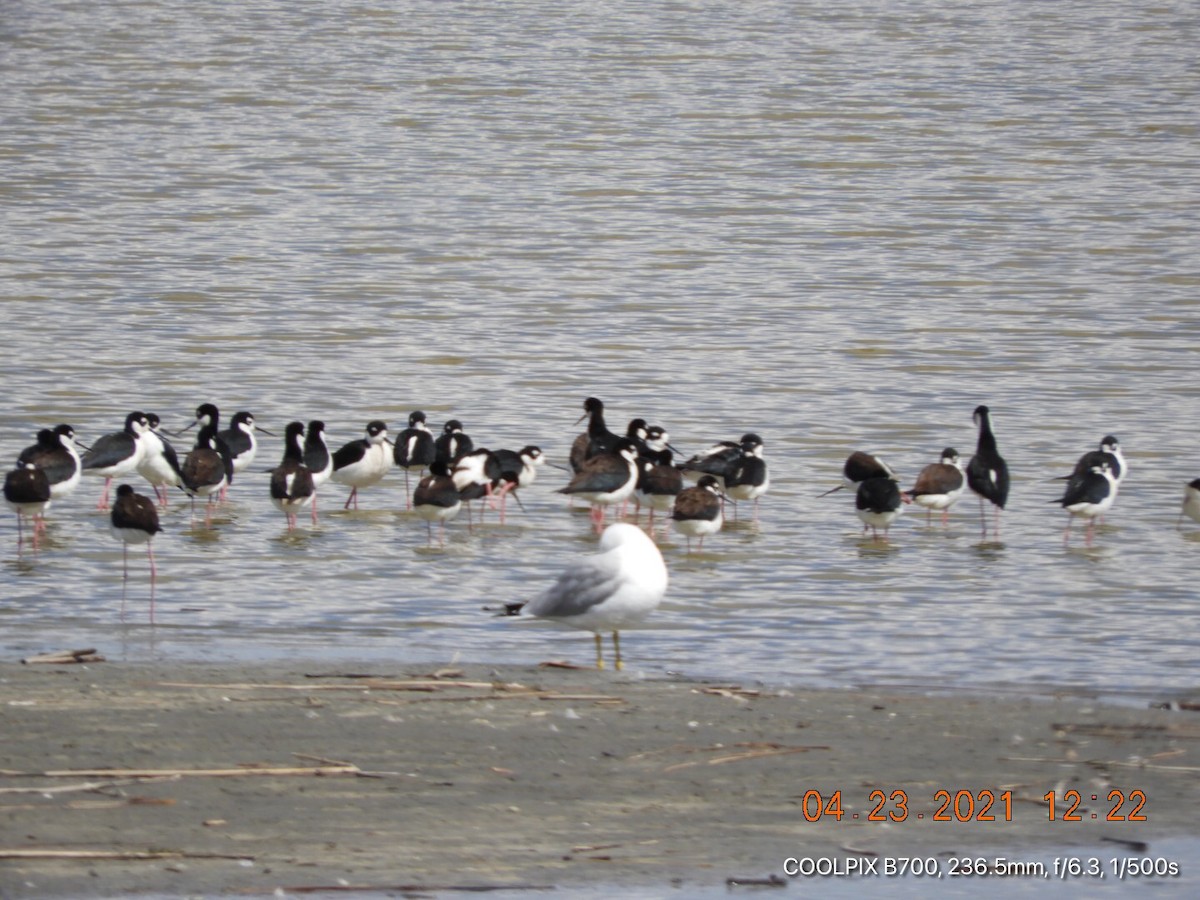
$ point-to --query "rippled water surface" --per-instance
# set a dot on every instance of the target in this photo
(840, 226)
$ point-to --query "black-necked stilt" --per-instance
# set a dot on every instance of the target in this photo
(698, 510)
(939, 485)
(208, 467)
(240, 439)
(414, 449)
(715, 461)
(659, 482)
(475, 475)
(1191, 502)
(291, 481)
(436, 499)
(318, 458)
(656, 446)
(878, 502)
(748, 477)
(27, 493)
(1089, 496)
(858, 467)
(523, 463)
(160, 463)
(55, 454)
(608, 591)
(117, 455)
(596, 440)
(134, 520)
(606, 479)
(518, 469)
(987, 472)
(452, 443)
(1114, 456)
(364, 462)
(1108, 454)
(637, 431)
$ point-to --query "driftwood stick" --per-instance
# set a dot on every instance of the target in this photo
(529, 695)
(53, 853)
(76, 788)
(739, 757)
(325, 761)
(365, 685)
(1100, 762)
(60, 657)
(277, 771)
(495, 690)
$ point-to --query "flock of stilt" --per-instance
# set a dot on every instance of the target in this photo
(608, 469)
(1090, 491)
(619, 585)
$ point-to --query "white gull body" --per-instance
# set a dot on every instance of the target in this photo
(609, 590)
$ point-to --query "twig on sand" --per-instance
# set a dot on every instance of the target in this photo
(64, 657)
(276, 771)
(1136, 730)
(85, 786)
(757, 751)
(495, 690)
(732, 691)
(364, 685)
(55, 853)
(1099, 763)
(325, 761)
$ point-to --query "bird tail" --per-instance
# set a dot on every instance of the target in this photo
(508, 609)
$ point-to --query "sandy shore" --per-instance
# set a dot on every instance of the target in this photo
(205, 779)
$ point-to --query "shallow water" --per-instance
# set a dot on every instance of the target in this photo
(842, 228)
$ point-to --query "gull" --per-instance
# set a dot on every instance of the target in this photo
(607, 591)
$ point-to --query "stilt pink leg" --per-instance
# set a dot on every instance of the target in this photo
(103, 504)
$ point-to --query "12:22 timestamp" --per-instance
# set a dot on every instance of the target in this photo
(1127, 806)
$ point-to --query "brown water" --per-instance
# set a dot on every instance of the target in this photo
(838, 226)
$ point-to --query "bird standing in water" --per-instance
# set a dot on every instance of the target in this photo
(436, 499)
(27, 493)
(134, 520)
(118, 454)
(55, 454)
(697, 511)
(1089, 496)
(318, 459)
(939, 485)
(878, 503)
(748, 477)
(364, 462)
(291, 481)
(987, 472)
(607, 591)
(414, 449)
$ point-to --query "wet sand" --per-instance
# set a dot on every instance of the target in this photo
(244, 779)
